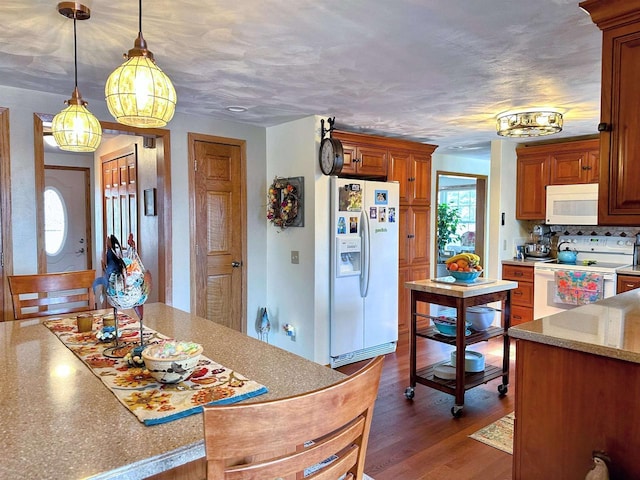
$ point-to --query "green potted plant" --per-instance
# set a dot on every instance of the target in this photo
(448, 220)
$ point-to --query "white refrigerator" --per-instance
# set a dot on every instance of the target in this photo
(364, 269)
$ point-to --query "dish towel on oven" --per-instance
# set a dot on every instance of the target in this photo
(575, 287)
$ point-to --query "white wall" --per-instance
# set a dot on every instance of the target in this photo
(503, 199)
(298, 294)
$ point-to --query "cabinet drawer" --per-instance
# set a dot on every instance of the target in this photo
(517, 273)
(520, 314)
(523, 295)
(627, 282)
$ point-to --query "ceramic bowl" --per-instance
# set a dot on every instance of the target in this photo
(481, 318)
(447, 326)
(473, 361)
(466, 277)
(170, 369)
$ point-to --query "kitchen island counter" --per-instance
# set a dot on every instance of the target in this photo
(457, 290)
(60, 421)
(610, 328)
(629, 270)
(577, 385)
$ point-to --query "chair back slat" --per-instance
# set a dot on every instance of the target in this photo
(282, 438)
(45, 294)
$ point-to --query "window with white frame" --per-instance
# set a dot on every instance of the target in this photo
(462, 197)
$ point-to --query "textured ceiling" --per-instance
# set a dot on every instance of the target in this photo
(434, 71)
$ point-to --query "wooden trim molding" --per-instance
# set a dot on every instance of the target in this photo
(612, 13)
(390, 143)
(6, 242)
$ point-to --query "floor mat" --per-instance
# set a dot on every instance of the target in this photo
(499, 434)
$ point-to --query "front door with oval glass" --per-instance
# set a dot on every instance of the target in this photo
(66, 218)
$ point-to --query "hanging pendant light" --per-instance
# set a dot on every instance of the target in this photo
(138, 93)
(75, 128)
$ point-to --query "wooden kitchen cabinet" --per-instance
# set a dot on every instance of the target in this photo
(627, 282)
(619, 195)
(521, 297)
(576, 166)
(409, 164)
(412, 169)
(532, 177)
(560, 163)
(569, 404)
(362, 160)
(413, 172)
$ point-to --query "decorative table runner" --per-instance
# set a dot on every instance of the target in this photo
(152, 402)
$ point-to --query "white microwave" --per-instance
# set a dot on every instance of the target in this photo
(572, 204)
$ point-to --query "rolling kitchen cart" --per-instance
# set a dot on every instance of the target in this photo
(459, 296)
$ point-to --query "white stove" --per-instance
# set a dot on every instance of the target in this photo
(598, 254)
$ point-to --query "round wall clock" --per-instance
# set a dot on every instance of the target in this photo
(331, 156)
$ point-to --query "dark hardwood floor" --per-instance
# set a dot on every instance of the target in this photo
(419, 438)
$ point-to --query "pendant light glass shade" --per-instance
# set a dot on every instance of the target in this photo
(76, 129)
(138, 93)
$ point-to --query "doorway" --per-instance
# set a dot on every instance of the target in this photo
(67, 219)
(161, 139)
(461, 201)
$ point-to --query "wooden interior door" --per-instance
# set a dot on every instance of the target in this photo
(120, 193)
(218, 214)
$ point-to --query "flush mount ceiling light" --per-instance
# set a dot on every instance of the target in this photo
(529, 124)
(75, 129)
(138, 93)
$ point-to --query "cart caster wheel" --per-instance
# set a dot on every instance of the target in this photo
(456, 411)
(409, 393)
(503, 389)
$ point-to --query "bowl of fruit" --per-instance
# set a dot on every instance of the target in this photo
(464, 267)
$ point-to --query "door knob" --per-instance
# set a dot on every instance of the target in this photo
(236, 264)
(80, 251)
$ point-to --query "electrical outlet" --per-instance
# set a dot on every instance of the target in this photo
(295, 257)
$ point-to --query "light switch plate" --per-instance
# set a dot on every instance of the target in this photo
(295, 256)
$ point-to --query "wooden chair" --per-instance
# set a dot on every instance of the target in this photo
(270, 439)
(47, 294)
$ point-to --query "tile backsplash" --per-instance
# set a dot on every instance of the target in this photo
(627, 231)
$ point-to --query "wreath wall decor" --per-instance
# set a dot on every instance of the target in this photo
(285, 202)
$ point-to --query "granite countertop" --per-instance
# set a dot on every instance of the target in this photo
(629, 270)
(60, 421)
(609, 327)
(528, 261)
(461, 291)
(520, 262)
